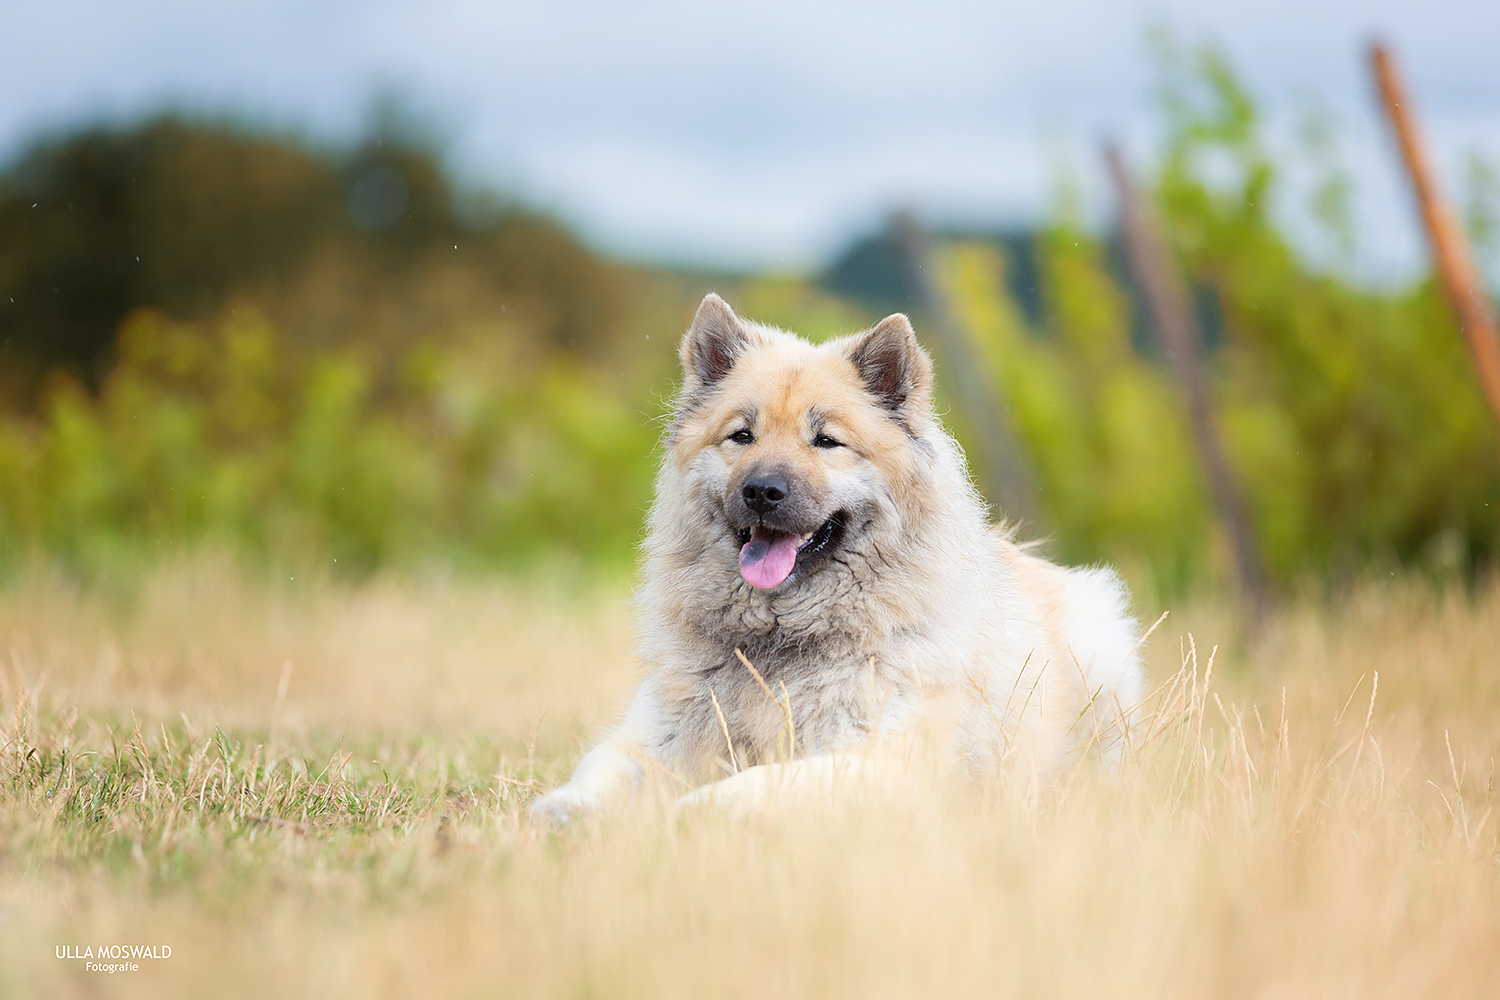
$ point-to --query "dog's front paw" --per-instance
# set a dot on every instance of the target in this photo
(558, 808)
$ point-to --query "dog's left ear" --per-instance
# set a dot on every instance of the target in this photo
(895, 369)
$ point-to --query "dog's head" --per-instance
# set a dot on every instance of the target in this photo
(795, 453)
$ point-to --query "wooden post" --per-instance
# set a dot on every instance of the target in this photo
(1462, 283)
(1007, 479)
(1171, 314)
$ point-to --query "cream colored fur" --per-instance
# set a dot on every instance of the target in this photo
(927, 633)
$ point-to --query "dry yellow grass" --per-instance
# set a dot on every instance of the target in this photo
(1273, 833)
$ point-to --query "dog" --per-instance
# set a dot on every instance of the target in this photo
(823, 588)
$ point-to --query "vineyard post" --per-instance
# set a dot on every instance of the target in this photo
(1461, 281)
(1008, 479)
(1167, 302)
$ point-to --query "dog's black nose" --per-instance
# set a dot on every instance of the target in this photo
(763, 493)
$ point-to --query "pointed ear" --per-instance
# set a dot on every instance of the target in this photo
(895, 369)
(711, 346)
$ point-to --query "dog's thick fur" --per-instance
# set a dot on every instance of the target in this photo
(906, 620)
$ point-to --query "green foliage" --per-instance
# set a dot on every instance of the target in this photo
(380, 387)
(1107, 444)
(372, 245)
(1351, 416)
(228, 434)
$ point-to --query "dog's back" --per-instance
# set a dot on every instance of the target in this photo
(1090, 632)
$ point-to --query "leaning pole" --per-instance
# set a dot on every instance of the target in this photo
(1167, 303)
(1461, 280)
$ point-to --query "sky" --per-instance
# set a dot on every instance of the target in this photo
(764, 135)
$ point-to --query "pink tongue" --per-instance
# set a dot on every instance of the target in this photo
(768, 557)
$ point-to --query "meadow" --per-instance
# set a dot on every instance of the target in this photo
(315, 786)
(321, 476)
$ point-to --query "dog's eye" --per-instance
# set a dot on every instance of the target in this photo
(824, 441)
(742, 436)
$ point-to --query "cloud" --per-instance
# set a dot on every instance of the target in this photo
(738, 133)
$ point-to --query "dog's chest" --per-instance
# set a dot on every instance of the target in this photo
(800, 704)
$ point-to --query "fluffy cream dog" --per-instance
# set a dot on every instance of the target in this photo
(822, 583)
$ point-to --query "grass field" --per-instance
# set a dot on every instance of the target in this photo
(311, 788)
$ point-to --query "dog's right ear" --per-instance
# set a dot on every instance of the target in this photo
(711, 346)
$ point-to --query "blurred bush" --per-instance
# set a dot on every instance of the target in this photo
(371, 245)
(1106, 438)
(227, 338)
(221, 433)
(212, 335)
(1352, 415)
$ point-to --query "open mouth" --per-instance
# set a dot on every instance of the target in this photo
(768, 555)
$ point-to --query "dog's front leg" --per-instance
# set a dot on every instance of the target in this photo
(613, 769)
(826, 777)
